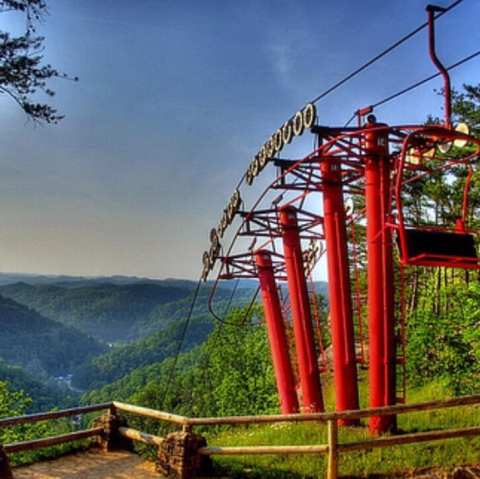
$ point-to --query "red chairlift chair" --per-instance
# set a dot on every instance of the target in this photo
(435, 245)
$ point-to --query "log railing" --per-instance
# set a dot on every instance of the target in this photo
(53, 440)
(45, 416)
(152, 413)
(33, 444)
(190, 447)
(333, 448)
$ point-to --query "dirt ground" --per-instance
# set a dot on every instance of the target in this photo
(90, 465)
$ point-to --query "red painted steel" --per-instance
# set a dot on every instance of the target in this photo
(388, 281)
(344, 359)
(381, 322)
(312, 400)
(431, 136)
(431, 9)
(276, 334)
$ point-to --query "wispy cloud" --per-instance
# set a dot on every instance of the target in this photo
(281, 54)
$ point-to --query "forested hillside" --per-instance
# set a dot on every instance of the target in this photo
(40, 344)
(45, 393)
(107, 312)
(230, 373)
(168, 322)
(58, 345)
(117, 312)
(121, 360)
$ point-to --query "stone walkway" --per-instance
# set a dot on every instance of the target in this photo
(125, 465)
(90, 465)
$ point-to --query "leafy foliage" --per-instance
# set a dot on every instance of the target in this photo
(121, 360)
(230, 373)
(17, 403)
(444, 340)
(466, 107)
(22, 71)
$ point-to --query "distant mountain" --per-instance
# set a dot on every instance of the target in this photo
(66, 280)
(76, 281)
(111, 312)
(39, 344)
(108, 312)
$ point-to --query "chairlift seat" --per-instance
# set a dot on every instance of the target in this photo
(426, 247)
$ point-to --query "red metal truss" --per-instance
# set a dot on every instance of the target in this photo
(243, 265)
(266, 223)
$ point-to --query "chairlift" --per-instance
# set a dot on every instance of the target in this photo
(432, 244)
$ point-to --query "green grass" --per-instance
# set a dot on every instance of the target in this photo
(387, 461)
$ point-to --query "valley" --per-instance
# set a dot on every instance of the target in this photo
(63, 336)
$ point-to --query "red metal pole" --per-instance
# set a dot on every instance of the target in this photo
(300, 306)
(343, 343)
(388, 287)
(276, 334)
(381, 324)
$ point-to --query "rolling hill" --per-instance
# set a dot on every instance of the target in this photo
(118, 312)
(108, 312)
(39, 344)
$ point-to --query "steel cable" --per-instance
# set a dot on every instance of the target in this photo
(382, 54)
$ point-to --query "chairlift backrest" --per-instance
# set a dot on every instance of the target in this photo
(435, 245)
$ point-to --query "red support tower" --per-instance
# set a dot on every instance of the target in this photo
(276, 333)
(302, 321)
(344, 360)
(381, 320)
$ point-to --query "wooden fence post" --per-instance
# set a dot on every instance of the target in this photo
(5, 471)
(332, 467)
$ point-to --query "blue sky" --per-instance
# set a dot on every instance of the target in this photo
(173, 100)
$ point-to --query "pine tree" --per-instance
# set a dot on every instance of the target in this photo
(22, 70)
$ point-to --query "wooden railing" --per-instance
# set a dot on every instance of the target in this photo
(54, 440)
(32, 444)
(332, 449)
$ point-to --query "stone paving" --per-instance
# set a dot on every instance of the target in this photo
(90, 465)
(125, 465)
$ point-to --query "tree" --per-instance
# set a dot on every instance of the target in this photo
(17, 403)
(22, 71)
(466, 106)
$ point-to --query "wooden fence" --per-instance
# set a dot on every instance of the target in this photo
(187, 451)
